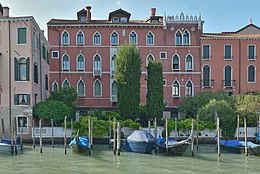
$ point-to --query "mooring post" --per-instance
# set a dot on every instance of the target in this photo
(71, 127)
(12, 140)
(109, 133)
(218, 132)
(91, 134)
(118, 138)
(246, 151)
(192, 138)
(21, 137)
(176, 129)
(149, 128)
(237, 127)
(33, 132)
(3, 128)
(114, 136)
(166, 135)
(197, 139)
(52, 134)
(155, 134)
(40, 127)
(65, 135)
(15, 134)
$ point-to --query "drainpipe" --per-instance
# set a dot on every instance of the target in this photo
(239, 71)
(40, 67)
(59, 56)
(10, 74)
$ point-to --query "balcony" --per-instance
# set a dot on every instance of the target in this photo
(207, 83)
(96, 72)
(113, 98)
(228, 83)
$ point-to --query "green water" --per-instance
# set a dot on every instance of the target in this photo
(104, 161)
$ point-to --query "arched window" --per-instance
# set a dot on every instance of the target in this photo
(55, 86)
(175, 89)
(149, 58)
(81, 89)
(97, 88)
(65, 84)
(206, 76)
(189, 89)
(178, 38)
(80, 62)
(113, 62)
(66, 62)
(149, 39)
(114, 88)
(80, 38)
(96, 39)
(186, 38)
(251, 73)
(133, 38)
(175, 62)
(114, 38)
(228, 76)
(22, 69)
(189, 64)
(65, 38)
(97, 62)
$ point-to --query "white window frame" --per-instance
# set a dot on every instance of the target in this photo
(254, 74)
(248, 52)
(83, 43)
(147, 39)
(68, 69)
(24, 128)
(25, 36)
(179, 89)
(83, 87)
(150, 54)
(100, 88)
(65, 44)
(80, 69)
(203, 52)
(178, 63)
(115, 19)
(192, 62)
(54, 84)
(55, 52)
(94, 38)
(183, 37)
(231, 58)
(64, 82)
(111, 38)
(135, 37)
(164, 53)
(186, 89)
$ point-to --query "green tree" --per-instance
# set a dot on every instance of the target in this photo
(127, 75)
(225, 113)
(247, 106)
(67, 95)
(154, 95)
(190, 105)
(51, 109)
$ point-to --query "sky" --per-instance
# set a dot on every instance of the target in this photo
(219, 15)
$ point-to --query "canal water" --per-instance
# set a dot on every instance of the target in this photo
(103, 161)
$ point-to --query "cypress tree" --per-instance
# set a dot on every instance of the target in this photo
(127, 75)
(154, 95)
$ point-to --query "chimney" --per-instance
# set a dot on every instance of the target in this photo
(153, 12)
(88, 17)
(5, 12)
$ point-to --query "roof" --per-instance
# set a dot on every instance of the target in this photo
(79, 13)
(250, 31)
(119, 11)
(1, 8)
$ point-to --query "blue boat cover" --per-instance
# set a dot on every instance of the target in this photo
(236, 143)
(9, 140)
(83, 141)
(140, 136)
(258, 135)
(162, 141)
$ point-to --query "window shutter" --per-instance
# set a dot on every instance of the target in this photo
(16, 69)
(28, 69)
(15, 99)
(28, 99)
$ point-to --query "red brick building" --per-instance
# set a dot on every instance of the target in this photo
(83, 53)
(230, 61)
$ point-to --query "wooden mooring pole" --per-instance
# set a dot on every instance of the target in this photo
(40, 129)
(15, 134)
(91, 135)
(149, 127)
(33, 132)
(192, 138)
(52, 134)
(71, 127)
(176, 128)
(65, 135)
(3, 128)
(118, 147)
(218, 134)
(109, 133)
(166, 134)
(155, 134)
(237, 127)
(245, 127)
(114, 136)
(197, 139)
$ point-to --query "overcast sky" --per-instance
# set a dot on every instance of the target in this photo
(219, 15)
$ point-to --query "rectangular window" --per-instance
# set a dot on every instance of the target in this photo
(55, 54)
(228, 52)
(35, 69)
(123, 19)
(164, 82)
(206, 52)
(115, 19)
(44, 55)
(22, 124)
(21, 36)
(21, 99)
(46, 82)
(251, 52)
(163, 55)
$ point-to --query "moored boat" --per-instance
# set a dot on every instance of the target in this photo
(8, 145)
(79, 144)
(140, 141)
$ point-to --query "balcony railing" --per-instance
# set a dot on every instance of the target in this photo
(97, 72)
(113, 98)
(228, 83)
(207, 83)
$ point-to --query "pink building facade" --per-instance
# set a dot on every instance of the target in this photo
(83, 53)
(24, 70)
